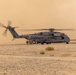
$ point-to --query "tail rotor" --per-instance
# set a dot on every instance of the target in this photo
(7, 27)
(9, 22)
(5, 32)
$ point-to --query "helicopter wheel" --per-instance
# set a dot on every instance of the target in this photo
(47, 43)
(27, 42)
(42, 43)
(67, 42)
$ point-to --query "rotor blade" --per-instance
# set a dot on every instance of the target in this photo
(32, 29)
(9, 22)
(2, 25)
(5, 33)
(65, 29)
(72, 39)
(51, 29)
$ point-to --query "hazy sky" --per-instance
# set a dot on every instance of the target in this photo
(37, 14)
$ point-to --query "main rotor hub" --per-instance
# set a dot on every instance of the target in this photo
(8, 27)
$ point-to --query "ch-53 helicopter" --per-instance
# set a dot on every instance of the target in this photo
(50, 36)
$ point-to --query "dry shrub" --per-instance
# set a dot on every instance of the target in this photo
(51, 55)
(42, 52)
(49, 49)
(65, 55)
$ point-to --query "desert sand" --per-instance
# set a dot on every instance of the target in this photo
(21, 59)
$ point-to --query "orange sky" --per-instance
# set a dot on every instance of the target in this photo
(37, 14)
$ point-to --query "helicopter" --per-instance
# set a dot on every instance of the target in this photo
(50, 36)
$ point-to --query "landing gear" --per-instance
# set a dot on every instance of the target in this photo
(29, 42)
(47, 43)
(67, 42)
(42, 43)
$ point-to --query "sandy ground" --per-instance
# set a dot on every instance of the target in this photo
(20, 59)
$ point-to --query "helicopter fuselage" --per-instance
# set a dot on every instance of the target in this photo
(48, 37)
(42, 37)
